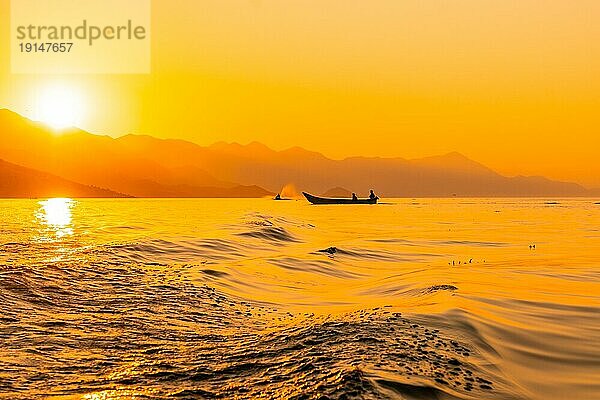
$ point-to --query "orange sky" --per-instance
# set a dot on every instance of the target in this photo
(512, 84)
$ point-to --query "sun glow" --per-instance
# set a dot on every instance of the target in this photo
(59, 106)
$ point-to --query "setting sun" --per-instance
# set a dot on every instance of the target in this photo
(59, 106)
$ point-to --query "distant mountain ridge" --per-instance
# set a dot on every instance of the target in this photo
(90, 159)
(21, 182)
(337, 192)
(145, 166)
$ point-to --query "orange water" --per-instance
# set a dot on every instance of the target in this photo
(205, 298)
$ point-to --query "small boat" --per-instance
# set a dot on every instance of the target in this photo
(329, 200)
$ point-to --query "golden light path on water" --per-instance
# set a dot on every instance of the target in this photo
(56, 214)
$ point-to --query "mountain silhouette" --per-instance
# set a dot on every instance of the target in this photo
(146, 166)
(21, 182)
(337, 192)
(125, 164)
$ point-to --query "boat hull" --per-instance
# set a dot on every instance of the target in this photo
(328, 200)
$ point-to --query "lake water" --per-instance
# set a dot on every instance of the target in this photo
(208, 298)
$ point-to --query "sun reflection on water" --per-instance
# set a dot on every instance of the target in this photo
(56, 214)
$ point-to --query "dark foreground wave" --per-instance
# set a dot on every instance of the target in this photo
(87, 325)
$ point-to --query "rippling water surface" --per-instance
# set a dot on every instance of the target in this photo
(412, 299)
